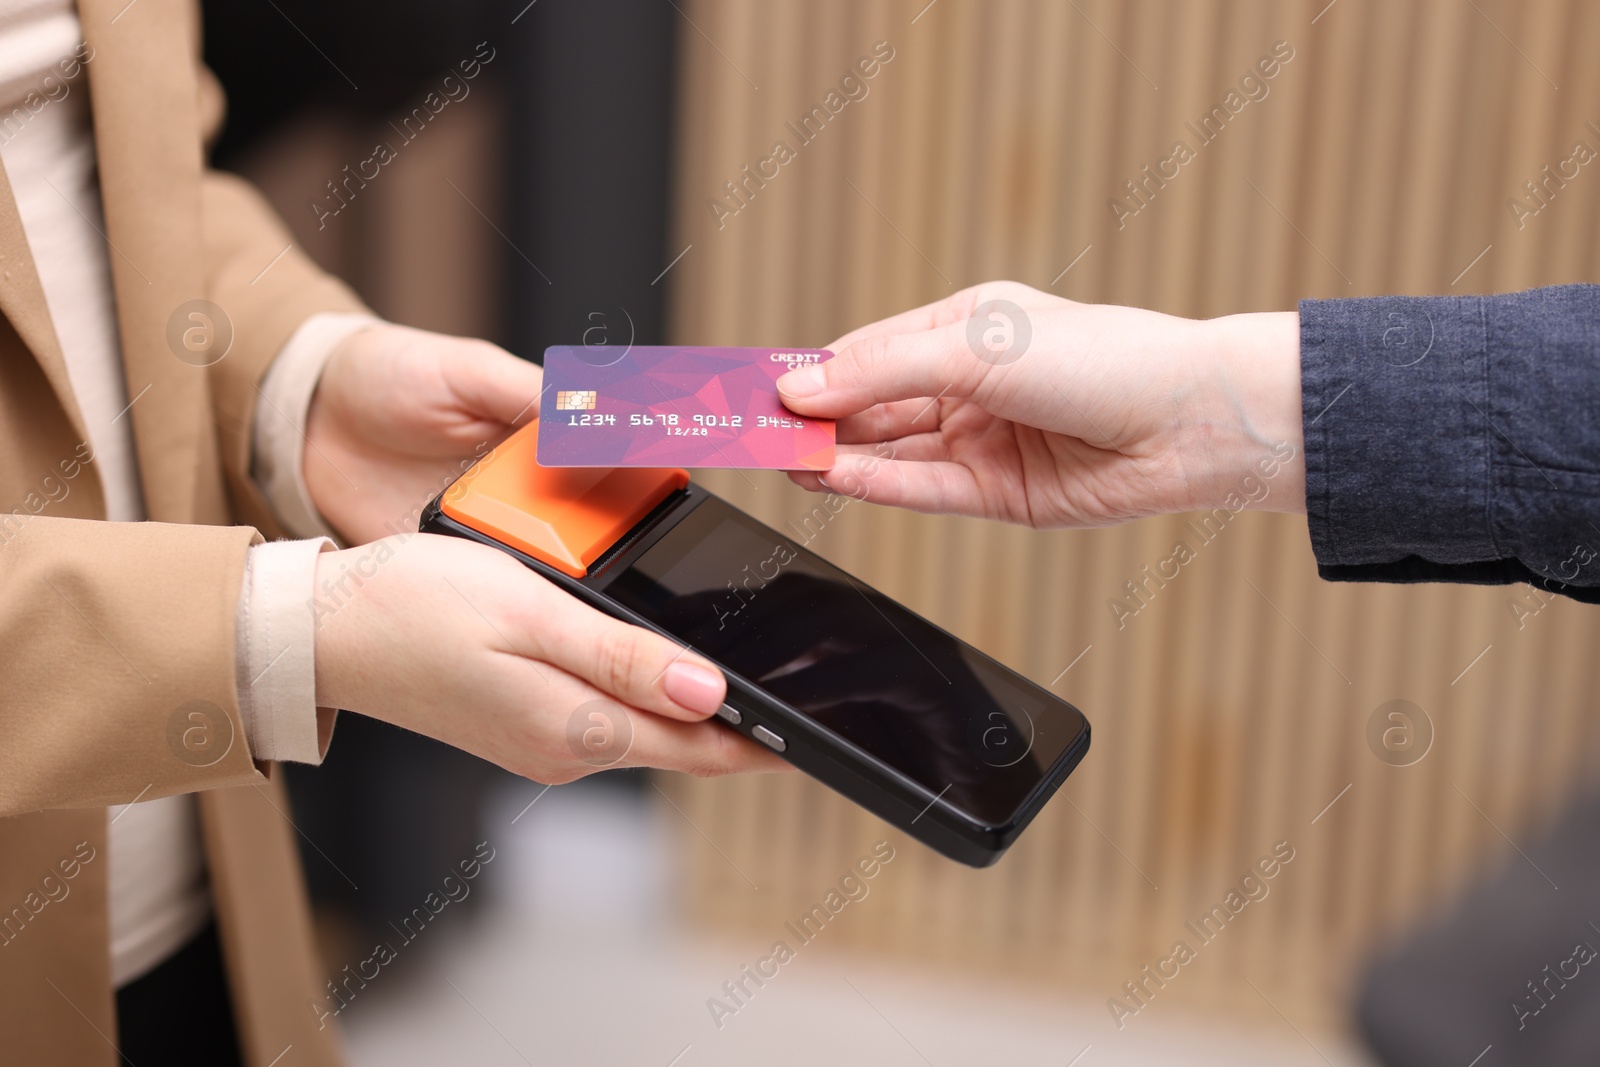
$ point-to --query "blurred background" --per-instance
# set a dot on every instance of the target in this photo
(1426, 754)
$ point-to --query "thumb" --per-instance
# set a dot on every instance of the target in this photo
(495, 385)
(884, 367)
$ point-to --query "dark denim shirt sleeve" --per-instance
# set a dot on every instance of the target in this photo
(1455, 439)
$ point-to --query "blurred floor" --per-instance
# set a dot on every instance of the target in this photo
(575, 960)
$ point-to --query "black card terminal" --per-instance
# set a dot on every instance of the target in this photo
(852, 688)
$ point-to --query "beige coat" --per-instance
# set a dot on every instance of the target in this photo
(108, 629)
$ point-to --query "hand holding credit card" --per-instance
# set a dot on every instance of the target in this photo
(677, 406)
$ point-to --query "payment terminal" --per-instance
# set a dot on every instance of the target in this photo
(855, 690)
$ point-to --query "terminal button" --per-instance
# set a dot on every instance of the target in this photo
(768, 738)
(729, 713)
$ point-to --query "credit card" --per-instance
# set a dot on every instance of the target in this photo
(676, 406)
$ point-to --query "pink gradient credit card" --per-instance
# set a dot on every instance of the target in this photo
(676, 406)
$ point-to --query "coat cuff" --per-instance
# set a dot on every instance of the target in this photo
(276, 653)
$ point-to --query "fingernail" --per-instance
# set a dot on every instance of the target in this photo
(694, 687)
(806, 381)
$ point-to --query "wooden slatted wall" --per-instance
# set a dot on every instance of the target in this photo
(1233, 708)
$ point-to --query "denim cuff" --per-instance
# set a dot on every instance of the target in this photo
(1455, 438)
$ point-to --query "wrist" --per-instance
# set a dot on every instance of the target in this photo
(1256, 440)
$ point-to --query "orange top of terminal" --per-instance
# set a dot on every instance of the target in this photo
(564, 516)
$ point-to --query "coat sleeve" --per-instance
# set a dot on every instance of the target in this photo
(119, 668)
(1455, 439)
(119, 679)
(267, 287)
